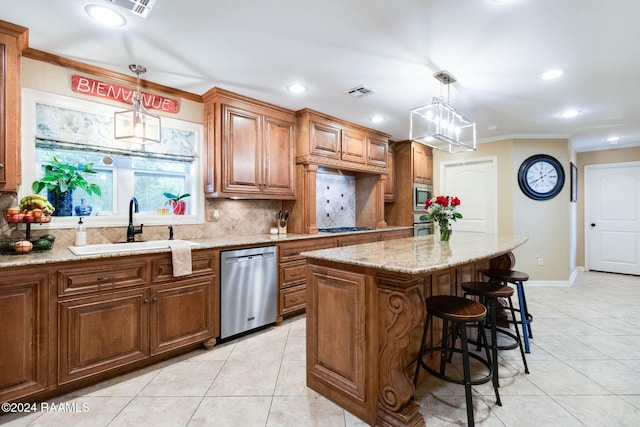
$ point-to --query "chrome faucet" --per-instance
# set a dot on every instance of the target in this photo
(131, 230)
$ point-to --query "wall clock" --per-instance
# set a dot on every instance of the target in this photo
(541, 177)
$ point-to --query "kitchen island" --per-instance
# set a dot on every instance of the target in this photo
(365, 314)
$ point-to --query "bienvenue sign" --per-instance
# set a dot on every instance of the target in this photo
(119, 93)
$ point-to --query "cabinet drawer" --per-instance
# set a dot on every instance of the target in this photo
(113, 274)
(291, 251)
(357, 239)
(293, 299)
(291, 274)
(202, 263)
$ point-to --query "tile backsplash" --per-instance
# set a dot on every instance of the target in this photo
(335, 200)
(237, 217)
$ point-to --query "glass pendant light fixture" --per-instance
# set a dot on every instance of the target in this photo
(439, 126)
(136, 124)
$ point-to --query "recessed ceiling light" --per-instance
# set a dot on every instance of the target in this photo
(377, 118)
(569, 113)
(552, 74)
(296, 88)
(613, 139)
(105, 16)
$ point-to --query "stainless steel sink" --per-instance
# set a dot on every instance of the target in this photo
(105, 248)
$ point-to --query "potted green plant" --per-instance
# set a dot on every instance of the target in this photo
(60, 180)
(178, 206)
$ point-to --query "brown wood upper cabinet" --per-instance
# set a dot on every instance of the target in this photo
(331, 142)
(249, 147)
(13, 39)
(422, 164)
(390, 183)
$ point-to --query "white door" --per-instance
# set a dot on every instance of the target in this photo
(612, 217)
(474, 182)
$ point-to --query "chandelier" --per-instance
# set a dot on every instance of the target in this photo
(439, 126)
(136, 124)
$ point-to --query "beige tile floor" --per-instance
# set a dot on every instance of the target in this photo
(584, 363)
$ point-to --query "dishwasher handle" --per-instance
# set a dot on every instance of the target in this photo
(244, 258)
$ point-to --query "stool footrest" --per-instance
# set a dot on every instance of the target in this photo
(455, 380)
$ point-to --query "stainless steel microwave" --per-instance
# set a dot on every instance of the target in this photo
(421, 192)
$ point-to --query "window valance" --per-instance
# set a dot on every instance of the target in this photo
(65, 128)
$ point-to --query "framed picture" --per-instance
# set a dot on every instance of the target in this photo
(574, 183)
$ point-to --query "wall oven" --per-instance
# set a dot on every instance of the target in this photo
(421, 225)
(421, 192)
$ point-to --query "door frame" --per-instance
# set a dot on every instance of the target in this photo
(493, 161)
(588, 170)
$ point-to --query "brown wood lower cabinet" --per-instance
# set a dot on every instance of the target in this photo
(100, 331)
(292, 280)
(292, 275)
(24, 349)
(181, 313)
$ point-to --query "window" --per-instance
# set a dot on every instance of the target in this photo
(77, 131)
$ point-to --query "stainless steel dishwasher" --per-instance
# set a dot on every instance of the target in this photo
(248, 293)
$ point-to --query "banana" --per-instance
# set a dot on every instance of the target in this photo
(38, 196)
(31, 198)
(36, 201)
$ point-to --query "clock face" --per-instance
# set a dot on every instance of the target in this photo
(541, 177)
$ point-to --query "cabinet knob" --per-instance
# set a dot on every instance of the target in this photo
(1, 165)
(104, 278)
(145, 301)
(294, 274)
(294, 299)
(155, 299)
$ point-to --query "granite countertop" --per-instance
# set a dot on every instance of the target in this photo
(63, 254)
(417, 255)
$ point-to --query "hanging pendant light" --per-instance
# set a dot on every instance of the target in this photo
(136, 124)
(439, 126)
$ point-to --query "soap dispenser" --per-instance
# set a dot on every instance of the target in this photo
(81, 234)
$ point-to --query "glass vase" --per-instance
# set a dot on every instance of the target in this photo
(445, 232)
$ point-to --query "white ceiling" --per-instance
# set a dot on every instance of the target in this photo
(496, 50)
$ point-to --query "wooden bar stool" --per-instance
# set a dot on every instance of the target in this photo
(460, 313)
(517, 278)
(489, 294)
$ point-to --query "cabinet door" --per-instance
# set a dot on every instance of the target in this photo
(422, 164)
(182, 313)
(325, 140)
(354, 146)
(12, 39)
(102, 332)
(377, 151)
(241, 151)
(23, 335)
(277, 154)
(390, 183)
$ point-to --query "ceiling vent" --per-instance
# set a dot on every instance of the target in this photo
(138, 7)
(359, 91)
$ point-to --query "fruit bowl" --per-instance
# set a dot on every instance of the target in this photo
(18, 246)
(36, 216)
